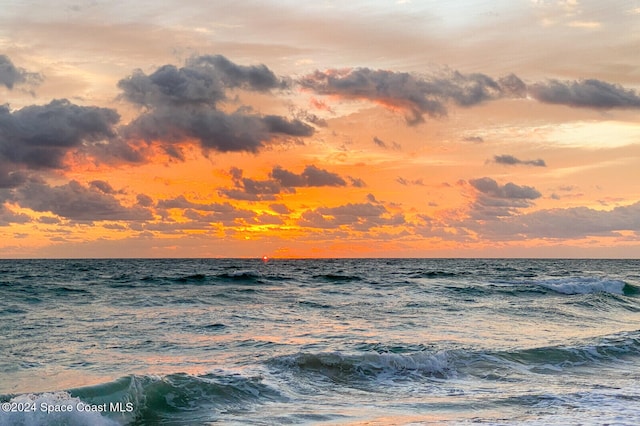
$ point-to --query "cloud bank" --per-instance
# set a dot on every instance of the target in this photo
(183, 104)
(280, 181)
(416, 96)
(589, 93)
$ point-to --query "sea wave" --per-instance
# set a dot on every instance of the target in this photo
(337, 277)
(587, 285)
(596, 352)
(369, 365)
(47, 409)
(142, 400)
(575, 285)
(418, 362)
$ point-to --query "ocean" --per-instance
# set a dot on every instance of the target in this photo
(327, 342)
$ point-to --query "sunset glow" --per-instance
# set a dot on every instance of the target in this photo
(373, 129)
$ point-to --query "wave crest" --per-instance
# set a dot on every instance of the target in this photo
(337, 365)
(587, 285)
(42, 411)
(145, 400)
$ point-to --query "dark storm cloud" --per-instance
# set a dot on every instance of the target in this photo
(10, 75)
(39, 136)
(77, 202)
(417, 96)
(182, 104)
(280, 181)
(495, 200)
(357, 216)
(589, 93)
(510, 160)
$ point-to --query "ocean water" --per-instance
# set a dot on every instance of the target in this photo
(349, 341)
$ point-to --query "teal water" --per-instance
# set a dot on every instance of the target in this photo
(349, 341)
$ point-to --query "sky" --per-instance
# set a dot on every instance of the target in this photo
(319, 129)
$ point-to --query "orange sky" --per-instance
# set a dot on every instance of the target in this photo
(373, 129)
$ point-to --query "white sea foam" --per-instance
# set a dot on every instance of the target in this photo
(587, 285)
(422, 362)
(57, 408)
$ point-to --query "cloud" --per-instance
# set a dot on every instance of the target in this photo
(281, 180)
(295, 127)
(253, 77)
(182, 104)
(180, 202)
(382, 144)
(251, 189)
(10, 178)
(205, 214)
(10, 75)
(570, 223)
(269, 219)
(280, 208)
(357, 182)
(225, 214)
(214, 129)
(102, 186)
(495, 201)
(8, 217)
(144, 200)
(589, 93)
(39, 136)
(309, 117)
(77, 202)
(510, 160)
(474, 139)
(357, 216)
(416, 96)
(310, 176)
(407, 182)
(202, 81)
